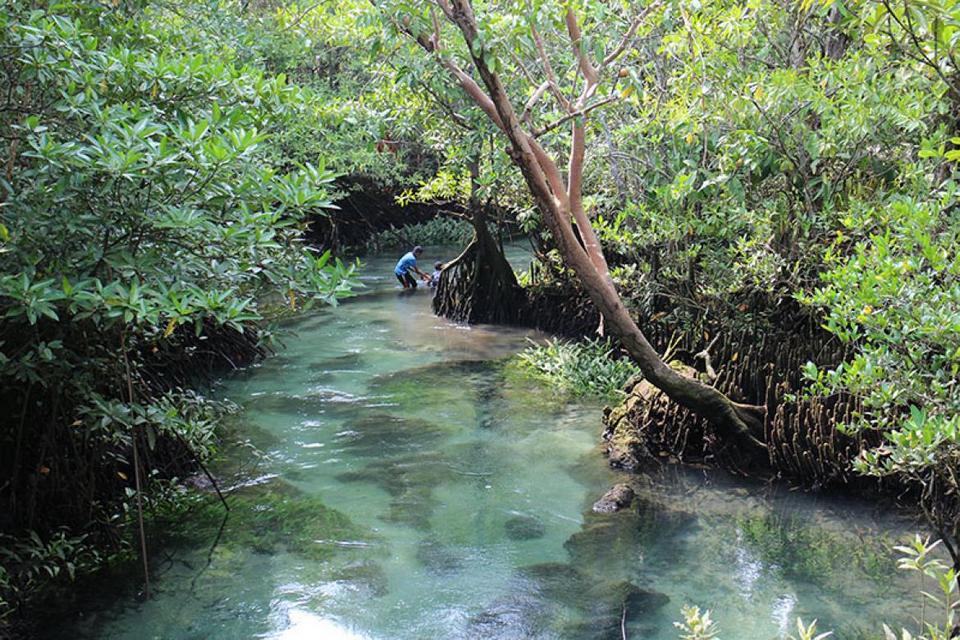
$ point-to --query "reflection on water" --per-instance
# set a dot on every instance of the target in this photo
(297, 624)
(415, 488)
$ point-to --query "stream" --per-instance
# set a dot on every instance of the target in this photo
(413, 483)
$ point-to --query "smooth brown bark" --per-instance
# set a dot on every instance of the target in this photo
(559, 199)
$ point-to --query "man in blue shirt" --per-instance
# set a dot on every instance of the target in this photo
(408, 264)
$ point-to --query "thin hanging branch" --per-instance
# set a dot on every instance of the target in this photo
(136, 468)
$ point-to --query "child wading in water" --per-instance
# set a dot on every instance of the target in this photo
(435, 276)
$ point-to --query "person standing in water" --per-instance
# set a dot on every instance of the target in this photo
(408, 264)
(435, 276)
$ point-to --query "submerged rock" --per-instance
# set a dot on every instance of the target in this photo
(272, 516)
(376, 435)
(365, 576)
(599, 604)
(513, 617)
(269, 516)
(437, 557)
(605, 543)
(556, 581)
(611, 606)
(611, 599)
(618, 497)
(524, 528)
(410, 481)
(345, 362)
(325, 402)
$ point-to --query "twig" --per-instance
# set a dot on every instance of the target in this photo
(570, 116)
(302, 15)
(196, 458)
(136, 470)
(628, 36)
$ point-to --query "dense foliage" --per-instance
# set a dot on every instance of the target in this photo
(449, 231)
(746, 162)
(151, 223)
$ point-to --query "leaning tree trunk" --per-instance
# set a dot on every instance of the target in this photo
(559, 198)
(479, 286)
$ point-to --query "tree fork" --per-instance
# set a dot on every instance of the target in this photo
(733, 419)
(560, 203)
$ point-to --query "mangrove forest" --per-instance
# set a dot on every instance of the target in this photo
(473, 319)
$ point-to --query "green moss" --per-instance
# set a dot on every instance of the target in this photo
(267, 518)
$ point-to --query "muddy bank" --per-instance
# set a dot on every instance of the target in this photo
(803, 443)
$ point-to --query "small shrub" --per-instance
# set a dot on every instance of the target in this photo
(29, 564)
(582, 368)
(697, 625)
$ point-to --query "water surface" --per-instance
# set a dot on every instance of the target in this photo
(415, 486)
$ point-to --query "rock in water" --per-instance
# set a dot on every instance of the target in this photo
(607, 606)
(514, 617)
(556, 582)
(618, 497)
(524, 528)
(437, 557)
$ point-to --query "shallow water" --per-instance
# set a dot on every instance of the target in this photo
(415, 487)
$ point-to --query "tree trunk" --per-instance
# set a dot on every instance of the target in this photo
(479, 286)
(735, 421)
(559, 198)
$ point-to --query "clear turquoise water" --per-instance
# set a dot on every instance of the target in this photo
(468, 488)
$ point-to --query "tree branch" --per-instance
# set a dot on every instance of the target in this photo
(525, 116)
(576, 40)
(628, 36)
(580, 112)
(731, 419)
(458, 119)
(575, 196)
(547, 67)
(474, 91)
(303, 14)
